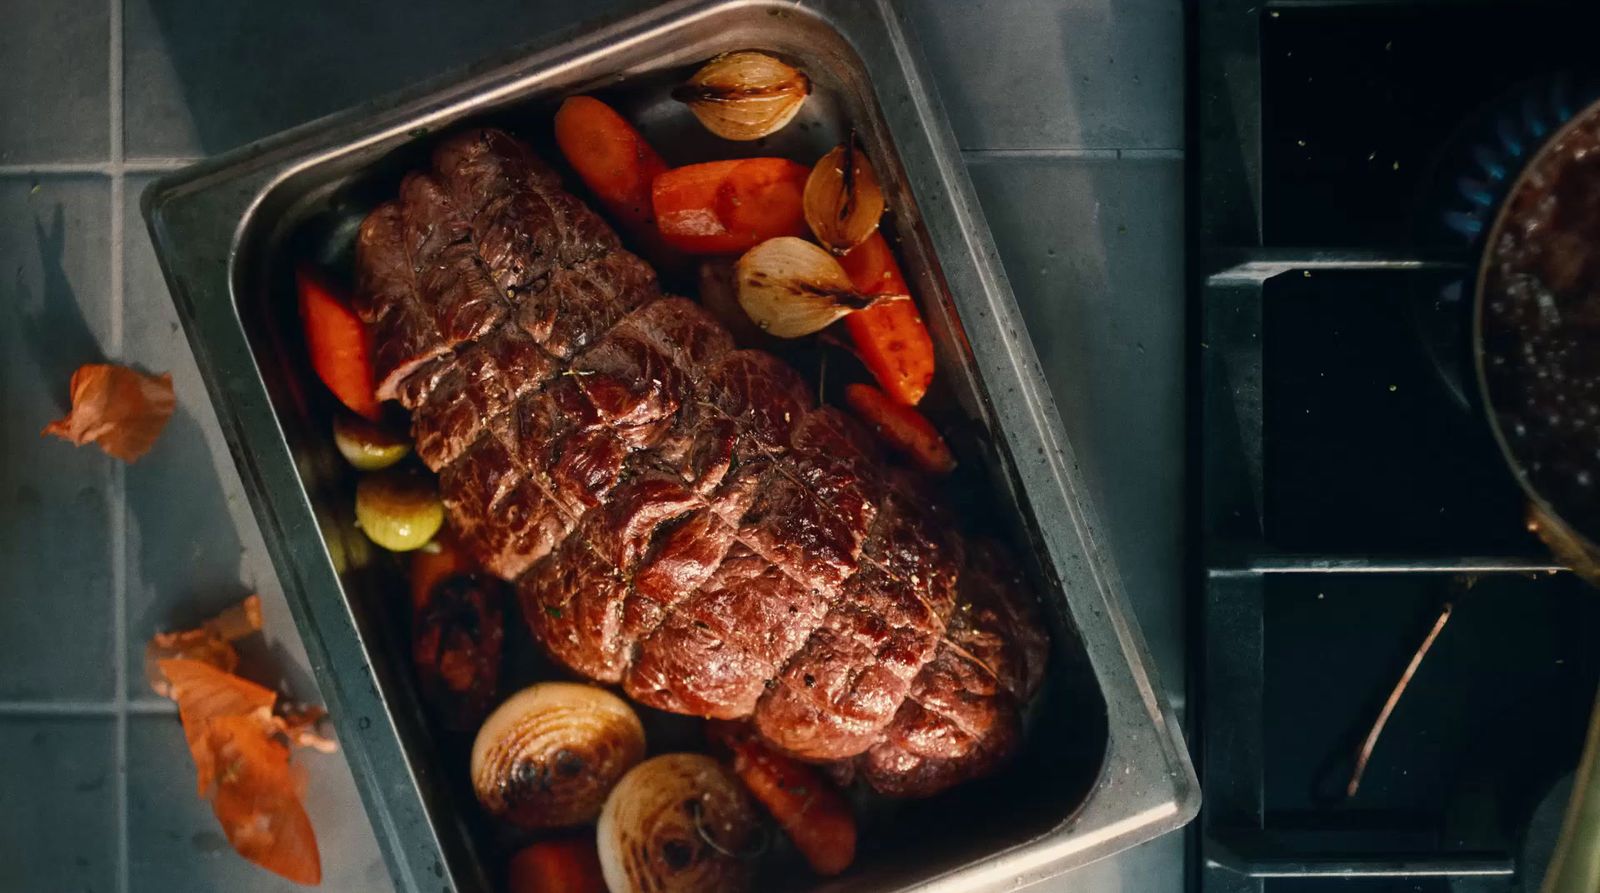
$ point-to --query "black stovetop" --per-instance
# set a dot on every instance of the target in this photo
(1348, 486)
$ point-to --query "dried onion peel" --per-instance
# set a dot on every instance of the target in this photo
(790, 287)
(843, 201)
(121, 409)
(745, 95)
(547, 757)
(677, 823)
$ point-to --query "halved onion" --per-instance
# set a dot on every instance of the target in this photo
(745, 95)
(678, 823)
(548, 756)
(843, 201)
(790, 287)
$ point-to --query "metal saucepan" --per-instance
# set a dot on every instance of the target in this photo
(1536, 339)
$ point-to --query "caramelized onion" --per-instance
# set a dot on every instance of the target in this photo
(548, 756)
(843, 201)
(678, 823)
(745, 95)
(790, 287)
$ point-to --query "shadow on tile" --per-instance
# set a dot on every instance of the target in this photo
(59, 773)
(1092, 74)
(202, 78)
(55, 499)
(54, 82)
(1094, 252)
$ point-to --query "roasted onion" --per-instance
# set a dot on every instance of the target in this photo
(399, 509)
(745, 95)
(367, 445)
(843, 201)
(790, 287)
(678, 823)
(548, 756)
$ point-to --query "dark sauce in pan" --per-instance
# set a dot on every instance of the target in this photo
(1541, 324)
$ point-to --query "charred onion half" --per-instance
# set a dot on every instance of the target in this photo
(745, 95)
(843, 201)
(790, 287)
(548, 756)
(678, 823)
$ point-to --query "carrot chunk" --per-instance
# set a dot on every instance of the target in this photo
(891, 338)
(339, 347)
(901, 427)
(725, 207)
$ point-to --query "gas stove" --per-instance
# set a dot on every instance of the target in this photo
(1356, 522)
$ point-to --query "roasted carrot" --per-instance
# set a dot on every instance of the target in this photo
(618, 165)
(811, 811)
(567, 865)
(725, 207)
(901, 427)
(890, 338)
(339, 347)
(611, 157)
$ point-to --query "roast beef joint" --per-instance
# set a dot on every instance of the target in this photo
(678, 515)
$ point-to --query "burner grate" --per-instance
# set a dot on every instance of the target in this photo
(1346, 167)
(1459, 199)
(1480, 164)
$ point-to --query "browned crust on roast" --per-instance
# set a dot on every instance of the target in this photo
(678, 515)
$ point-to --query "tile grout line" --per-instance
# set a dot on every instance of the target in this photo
(119, 538)
(104, 168)
(980, 156)
(139, 707)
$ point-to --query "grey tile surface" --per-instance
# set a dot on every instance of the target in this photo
(56, 500)
(58, 804)
(205, 77)
(174, 842)
(1097, 266)
(193, 545)
(1098, 74)
(54, 59)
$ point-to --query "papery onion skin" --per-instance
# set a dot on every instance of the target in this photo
(790, 287)
(550, 754)
(745, 95)
(678, 823)
(843, 201)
